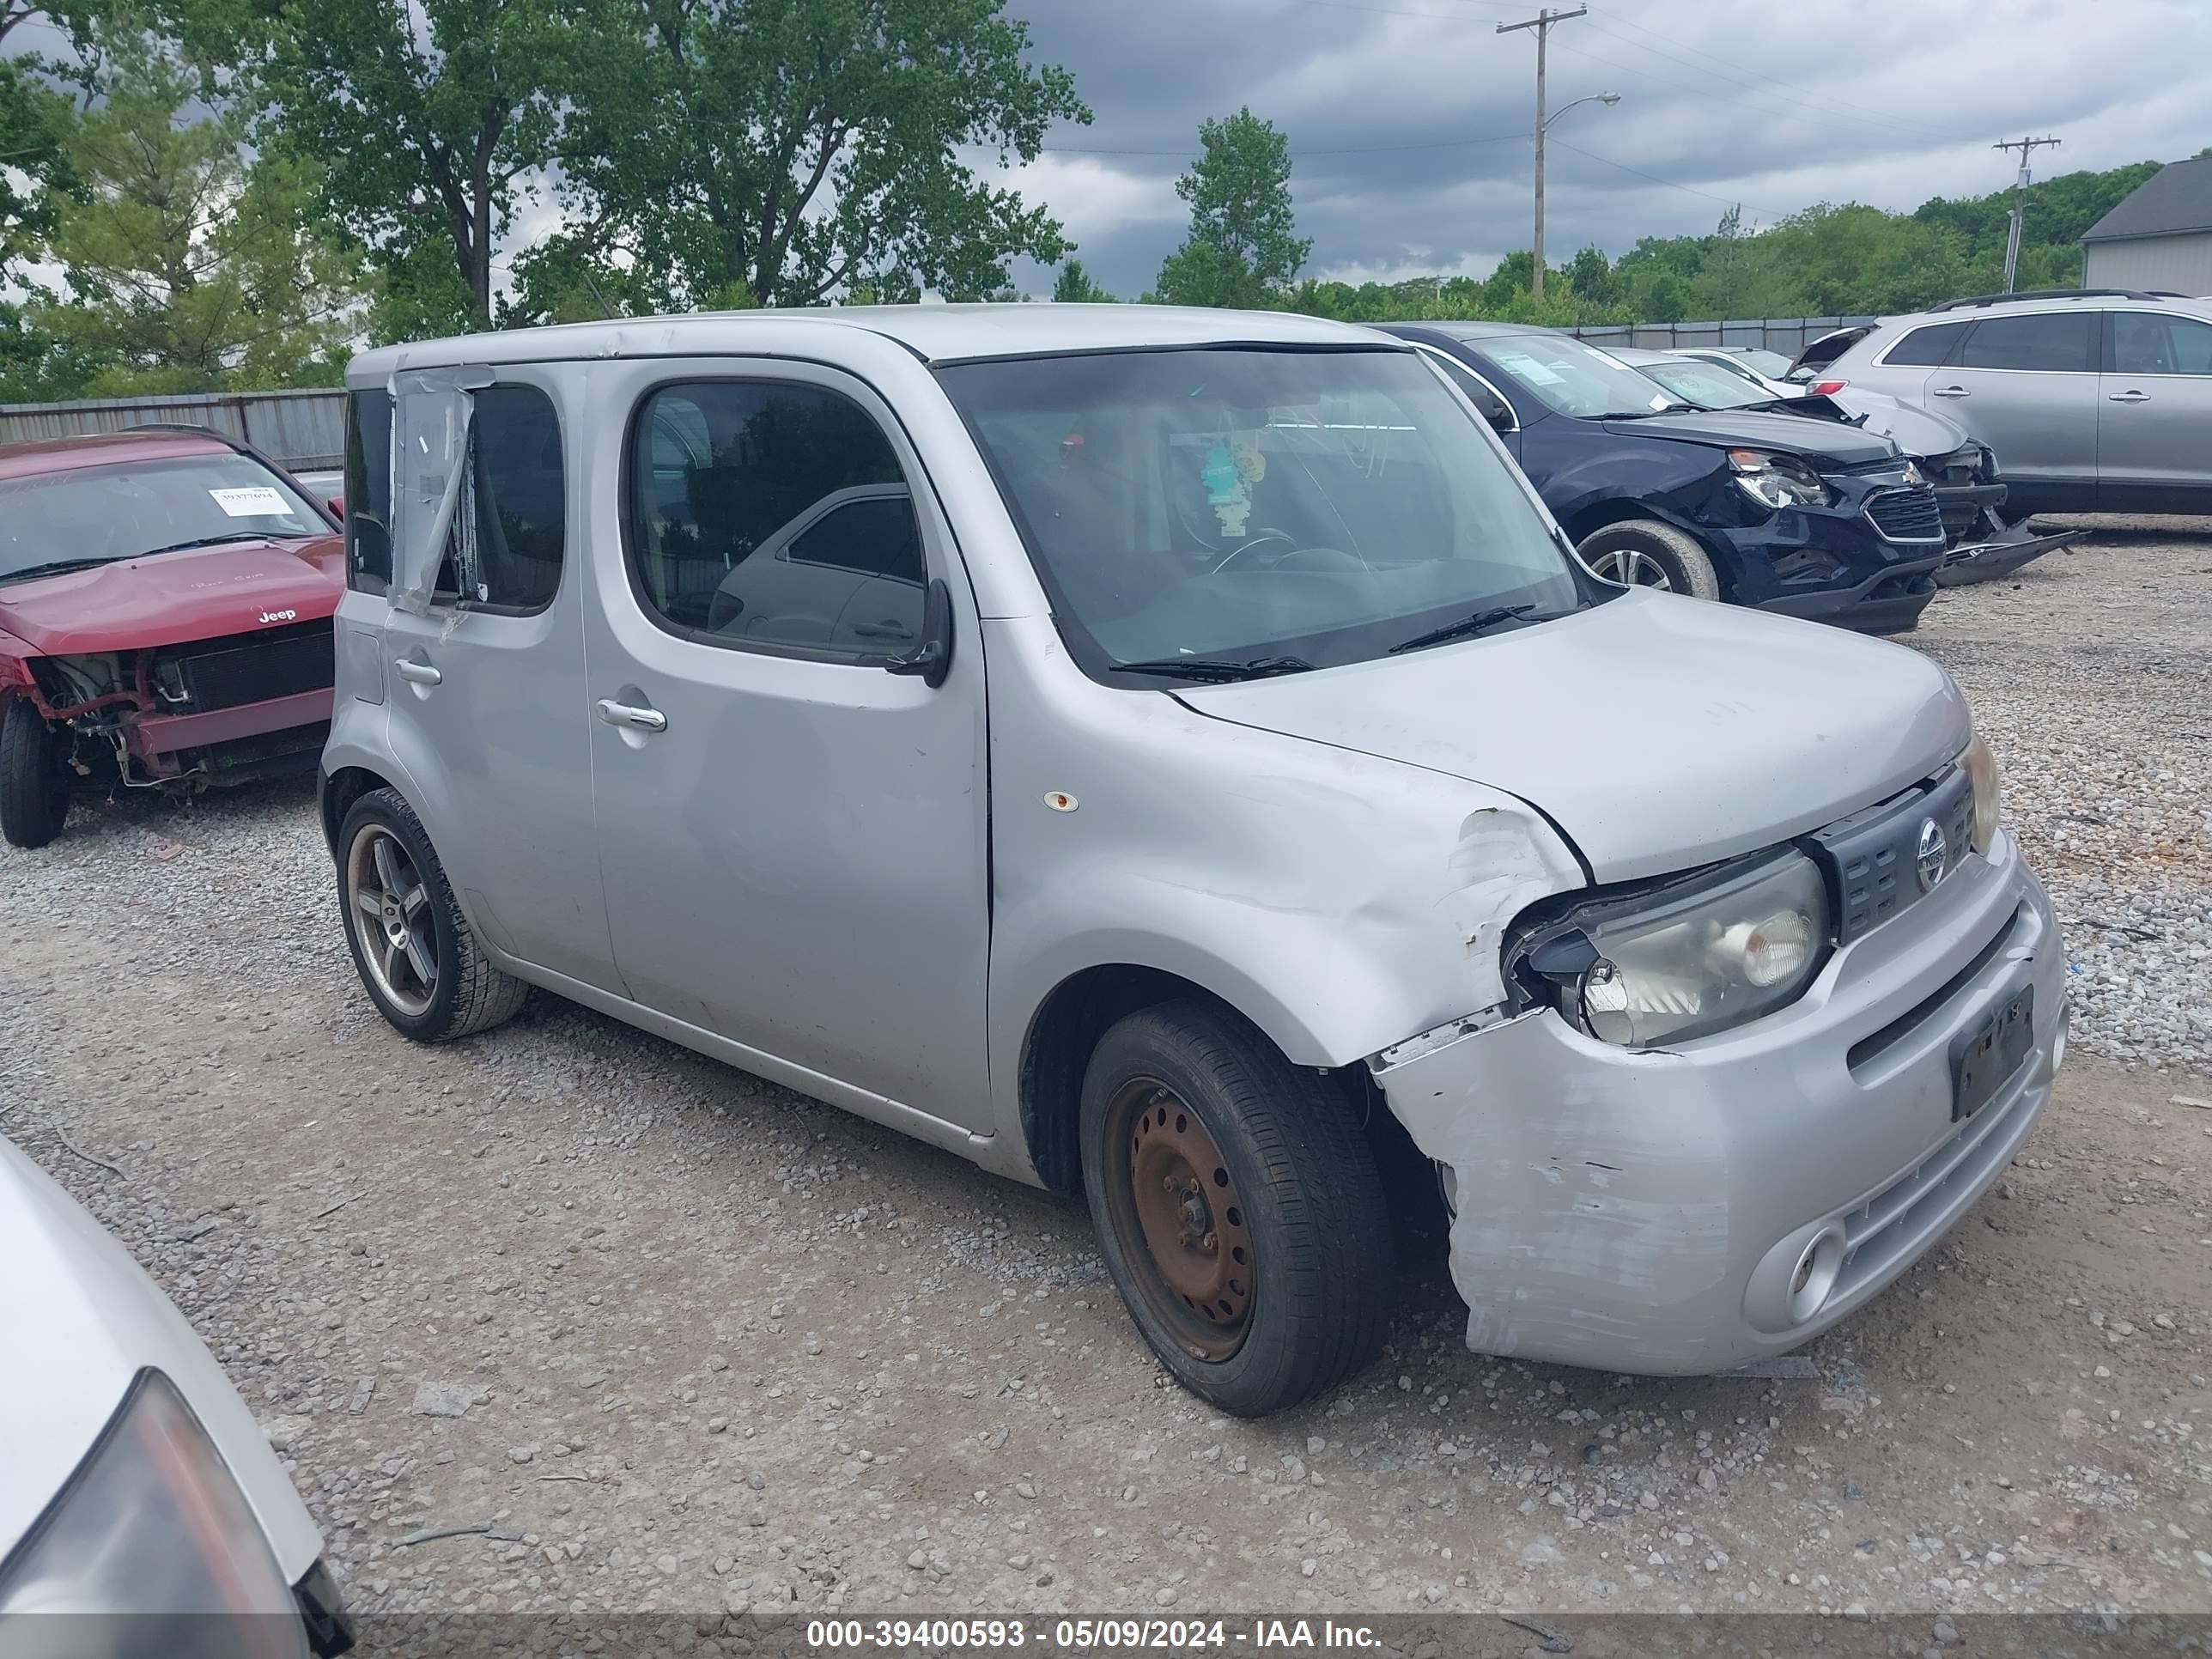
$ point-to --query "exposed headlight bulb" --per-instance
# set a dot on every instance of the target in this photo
(1605, 1003)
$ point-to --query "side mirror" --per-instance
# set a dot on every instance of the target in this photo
(931, 657)
(337, 505)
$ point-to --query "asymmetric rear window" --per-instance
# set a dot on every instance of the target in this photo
(1926, 348)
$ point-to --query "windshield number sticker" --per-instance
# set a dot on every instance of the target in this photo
(253, 502)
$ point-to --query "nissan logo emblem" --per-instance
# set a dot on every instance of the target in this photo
(1934, 852)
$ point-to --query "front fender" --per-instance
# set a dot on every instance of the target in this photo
(1342, 901)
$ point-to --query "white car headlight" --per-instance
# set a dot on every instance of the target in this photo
(1687, 958)
(150, 1552)
(1778, 480)
(1988, 779)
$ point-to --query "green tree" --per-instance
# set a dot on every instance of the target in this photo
(190, 267)
(35, 124)
(1242, 249)
(1073, 287)
(795, 150)
(428, 120)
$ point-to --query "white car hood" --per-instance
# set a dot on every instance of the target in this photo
(1658, 732)
(81, 1320)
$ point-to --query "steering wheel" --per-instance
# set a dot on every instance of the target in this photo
(1342, 559)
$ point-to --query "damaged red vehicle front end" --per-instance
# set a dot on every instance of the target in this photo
(165, 620)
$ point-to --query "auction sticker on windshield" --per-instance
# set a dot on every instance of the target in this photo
(252, 501)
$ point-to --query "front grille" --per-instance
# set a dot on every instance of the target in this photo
(1958, 512)
(1906, 515)
(255, 668)
(1871, 859)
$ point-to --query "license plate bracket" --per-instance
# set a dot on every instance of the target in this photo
(1987, 1055)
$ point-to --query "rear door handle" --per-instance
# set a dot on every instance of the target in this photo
(1948, 391)
(421, 673)
(2128, 397)
(623, 714)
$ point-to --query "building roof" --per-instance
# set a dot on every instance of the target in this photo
(2177, 198)
(934, 333)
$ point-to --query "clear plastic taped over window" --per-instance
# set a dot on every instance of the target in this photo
(431, 410)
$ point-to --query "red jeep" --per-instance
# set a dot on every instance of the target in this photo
(165, 619)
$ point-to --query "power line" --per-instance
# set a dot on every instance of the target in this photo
(1717, 67)
(1725, 201)
(1345, 150)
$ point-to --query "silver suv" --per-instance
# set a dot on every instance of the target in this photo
(1141, 751)
(2095, 400)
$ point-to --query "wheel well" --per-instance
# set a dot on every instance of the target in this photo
(1621, 510)
(340, 791)
(1057, 1051)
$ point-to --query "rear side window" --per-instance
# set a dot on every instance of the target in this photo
(1927, 348)
(368, 491)
(2046, 341)
(1495, 410)
(2144, 343)
(510, 532)
(774, 515)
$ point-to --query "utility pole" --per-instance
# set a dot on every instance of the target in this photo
(2025, 146)
(1541, 22)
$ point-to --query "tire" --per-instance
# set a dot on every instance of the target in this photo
(1645, 553)
(383, 849)
(35, 779)
(1296, 1191)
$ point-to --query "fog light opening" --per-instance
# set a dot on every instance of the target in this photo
(1815, 1275)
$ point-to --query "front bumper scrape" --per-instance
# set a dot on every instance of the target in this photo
(1646, 1211)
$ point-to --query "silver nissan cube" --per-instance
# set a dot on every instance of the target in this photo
(1144, 752)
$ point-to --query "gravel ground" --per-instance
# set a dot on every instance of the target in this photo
(672, 1337)
(2091, 676)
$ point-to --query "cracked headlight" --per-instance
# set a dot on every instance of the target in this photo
(1685, 959)
(1988, 779)
(1778, 480)
(150, 1552)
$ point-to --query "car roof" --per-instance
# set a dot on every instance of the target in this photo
(1465, 331)
(935, 333)
(43, 455)
(1636, 356)
(2086, 300)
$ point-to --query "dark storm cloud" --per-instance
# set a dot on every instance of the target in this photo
(1409, 119)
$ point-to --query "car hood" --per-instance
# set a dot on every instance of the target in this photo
(82, 1321)
(1920, 433)
(1658, 732)
(1822, 444)
(199, 593)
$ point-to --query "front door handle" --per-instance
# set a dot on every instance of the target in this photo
(623, 714)
(1948, 391)
(2128, 397)
(421, 673)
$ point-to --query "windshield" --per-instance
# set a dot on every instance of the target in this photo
(1245, 503)
(1570, 378)
(1708, 386)
(96, 515)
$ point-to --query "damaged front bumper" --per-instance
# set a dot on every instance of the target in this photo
(1684, 1211)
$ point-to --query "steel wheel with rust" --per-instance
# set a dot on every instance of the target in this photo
(1168, 1183)
(1237, 1205)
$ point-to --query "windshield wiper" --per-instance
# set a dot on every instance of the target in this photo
(208, 541)
(1214, 668)
(1467, 627)
(1676, 408)
(59, 567)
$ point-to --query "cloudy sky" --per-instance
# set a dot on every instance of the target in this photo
(1409, 119)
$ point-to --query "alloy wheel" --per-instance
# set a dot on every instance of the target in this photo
(1632, 566)
(388, 906)
(1171, 1189)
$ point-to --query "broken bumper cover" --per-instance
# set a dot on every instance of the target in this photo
(1651, 1211)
